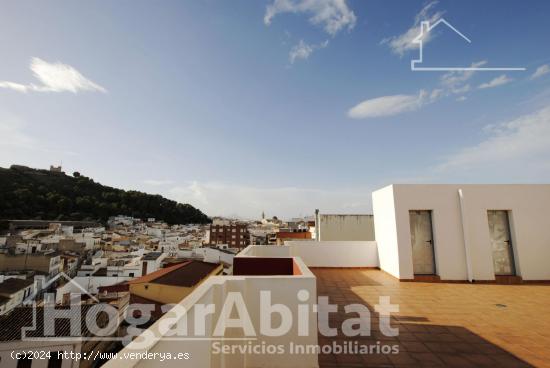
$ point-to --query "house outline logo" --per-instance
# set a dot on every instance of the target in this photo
(34, 311)
(425, 28)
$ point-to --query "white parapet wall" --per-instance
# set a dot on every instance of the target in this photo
(321, 253)
(205, 347)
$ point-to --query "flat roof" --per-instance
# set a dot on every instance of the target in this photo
(151, 256)
(440, 324)
(13, 285)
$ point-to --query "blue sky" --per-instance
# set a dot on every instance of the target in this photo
(239, 107)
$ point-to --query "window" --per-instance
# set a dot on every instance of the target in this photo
(131, 274)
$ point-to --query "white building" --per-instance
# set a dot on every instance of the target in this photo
(90, 284)
(151, 262)
(91, 266)
(463, 232)
(219, 255)
(156, 232)
(128, 266)
(13, 290)
(91, 240)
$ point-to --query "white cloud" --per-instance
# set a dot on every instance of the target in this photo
(498, 81)
(388, 105)
(451, 83)
(14, 86)
(154, 182)
(455, 80)
(541, 70)
(461, 98)
(518, 149)
(462, 89)
(302, 50)
(332, 15)
(436, 93)
(403, 43)
(285, 202)
(54, 77)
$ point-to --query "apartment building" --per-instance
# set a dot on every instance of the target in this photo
(235, 235)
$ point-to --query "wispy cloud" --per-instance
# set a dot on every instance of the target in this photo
(451, 84)
(388, 105)
(154, 182)
(302, 50)
(54, 77)
(331, 15)
(498, 81)
(541, 70)
(403, 42)
(516, 146)
(455, 80)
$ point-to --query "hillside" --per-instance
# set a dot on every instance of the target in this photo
(27, 193)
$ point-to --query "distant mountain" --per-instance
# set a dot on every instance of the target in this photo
(27, 193)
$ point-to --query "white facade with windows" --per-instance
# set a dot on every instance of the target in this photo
(470, 232)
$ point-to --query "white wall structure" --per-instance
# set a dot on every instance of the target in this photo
(152, 265)
(344, 227)
(216, 292)
(321, 254)
(460, 227)
(89, 283)
(213, 255)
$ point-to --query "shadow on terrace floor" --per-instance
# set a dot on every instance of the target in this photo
(441, 325)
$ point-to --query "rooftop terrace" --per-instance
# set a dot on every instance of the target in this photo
(443, 325)
(439, 324)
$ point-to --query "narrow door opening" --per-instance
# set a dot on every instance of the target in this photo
(501, 243)
(422, 242)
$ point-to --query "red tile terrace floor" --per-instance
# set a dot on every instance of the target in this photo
(442, 324)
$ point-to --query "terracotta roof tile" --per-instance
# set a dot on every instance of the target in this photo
(154, 275)
(184, 274)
